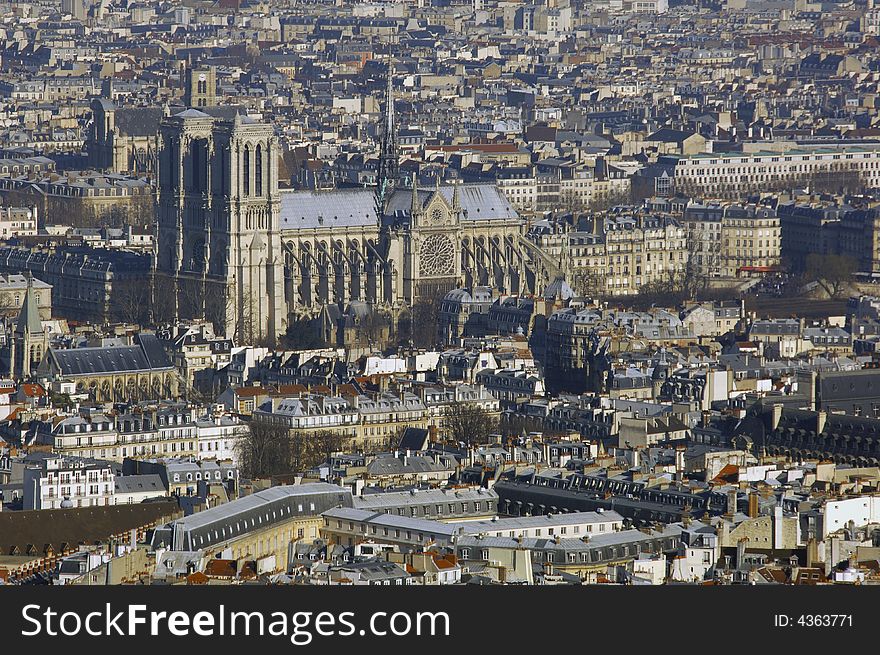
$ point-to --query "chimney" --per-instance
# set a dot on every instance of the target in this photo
(777, 415)
(731, 504)
(679, 460)
(753, 505)
(821, 417)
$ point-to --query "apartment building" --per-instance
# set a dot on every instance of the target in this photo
(729, 240)
(641, 250)
(17, 222)
(730, 174)
(509, 386)
(59, 482)
(519, 185)
(310, 413)
(622, 252)
(830, 228)
(172, 431)
(366, 418)
(750, 241)
(383, 416)
(260, 527)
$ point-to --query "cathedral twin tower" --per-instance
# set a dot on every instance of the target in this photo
(219, 238)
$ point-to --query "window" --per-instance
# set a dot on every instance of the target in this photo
(258, 165)
(246, 171)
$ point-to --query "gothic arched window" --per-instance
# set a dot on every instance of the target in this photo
(175, 151)
(246, 171)
(258, 165)
(196, 166)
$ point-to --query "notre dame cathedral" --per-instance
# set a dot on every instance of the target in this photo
(251, 257)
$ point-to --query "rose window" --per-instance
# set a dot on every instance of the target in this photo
(437, 256)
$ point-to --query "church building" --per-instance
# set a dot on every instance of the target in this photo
(252, 257)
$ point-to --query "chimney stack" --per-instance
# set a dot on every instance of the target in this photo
(777, 415)
(731, 503)
(753, 505)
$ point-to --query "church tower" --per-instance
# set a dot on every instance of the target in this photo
(29, 340)
(219, 234)
(249, 229)
(200, 87)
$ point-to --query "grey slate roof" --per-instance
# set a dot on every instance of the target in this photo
(356, 207)
(478, 201)
(253, 512)
(434, 529)
(138, 121)
(380, 501)
(147, 355)
(303, 210)
(126, 484)
(539, 521)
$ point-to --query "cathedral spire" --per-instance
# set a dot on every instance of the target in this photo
(388, 170)
(389, 102)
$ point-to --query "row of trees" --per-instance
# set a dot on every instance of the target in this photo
(157, 300)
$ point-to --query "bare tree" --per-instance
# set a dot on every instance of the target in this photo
(467, 423)
(837, 179)
(163, 304)
(327, 442)
(833, 273)
(514, 425)
(571, 201)
(8, 307)
(606, 201)
(218, 307)
(680, 283)
(373, 329)
(422, 325)
(191, 298)
(588, 283)
(265, 450)
(309, 449)
(303, 334)
(131, 300)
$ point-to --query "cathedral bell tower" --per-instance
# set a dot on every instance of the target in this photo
(219, 235)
